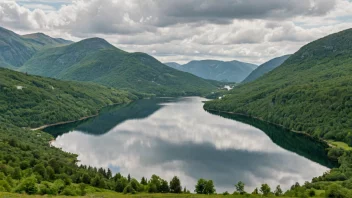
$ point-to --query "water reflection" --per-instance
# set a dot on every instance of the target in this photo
(171, 137)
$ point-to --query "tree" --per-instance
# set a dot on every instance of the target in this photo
(129, 178)
(175, 185)
(50, 173)
(255, 191)
(144, 181)
(205, 187)
(240, 187)
(121, 183)
(278, 191)
(109, 174)
(265, 189)
(154, 184)
(17, 173)
(28, 185)
(86, 178)
(164, 187)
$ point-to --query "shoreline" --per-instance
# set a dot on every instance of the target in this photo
(64, 122)
(279, 125)
(80, 119)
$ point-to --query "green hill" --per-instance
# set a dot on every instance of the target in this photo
(31, 101)
(96, 60)
(265, 68)
(230, 71)
(310, 92)
(45, 40)
(15, 49)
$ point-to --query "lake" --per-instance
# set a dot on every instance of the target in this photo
(176, 136)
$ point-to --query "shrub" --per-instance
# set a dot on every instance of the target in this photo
(47, 188)
(4, 186)
(69, 191)
(28, 185)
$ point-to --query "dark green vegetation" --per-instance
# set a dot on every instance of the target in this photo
(265, 68)
(15, 49)
(31, 101)
(98, 61)
(231, 71)
(336, 183)
(310, 92)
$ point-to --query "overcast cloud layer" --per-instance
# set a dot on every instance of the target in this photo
(246, 30)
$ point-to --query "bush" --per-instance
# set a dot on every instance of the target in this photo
(311, 193)
(129, 189)
(28, 185)
(69, 191)
(59, 185)
(4, 186)
(336, 191)
(47, 188)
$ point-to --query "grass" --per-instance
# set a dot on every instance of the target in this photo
(342, 145)
(117, 195)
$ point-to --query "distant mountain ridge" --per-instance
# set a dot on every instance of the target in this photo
(44, 39)
(98, 61)
(265, 68)
(15, 49)
(226, 71)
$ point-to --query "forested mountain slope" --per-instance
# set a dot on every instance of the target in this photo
(96, 60)
(15, 49)
(231, 71)
(31, 101)
(311, 91)
(265, 68)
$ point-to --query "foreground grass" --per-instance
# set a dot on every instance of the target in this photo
(342, 145)
(113, 195)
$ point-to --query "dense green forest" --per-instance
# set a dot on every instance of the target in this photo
(31, 101)
(310, 92)
(96, 60)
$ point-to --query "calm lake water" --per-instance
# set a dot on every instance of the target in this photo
(175, 136)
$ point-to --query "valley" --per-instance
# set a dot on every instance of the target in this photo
(86, 118)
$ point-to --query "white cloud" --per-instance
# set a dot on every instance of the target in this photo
(252, 30)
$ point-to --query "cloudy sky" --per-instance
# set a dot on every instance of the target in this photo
(181, 30)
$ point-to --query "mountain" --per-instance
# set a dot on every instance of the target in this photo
(96, 60)
(232, 71)
(311, 91)
(173, 65)
(265, 68)
(15, 49)
(45, 40)
(32, 101)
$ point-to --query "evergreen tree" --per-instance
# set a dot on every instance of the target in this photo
(175, 185)
(144, 181)
(109, 174)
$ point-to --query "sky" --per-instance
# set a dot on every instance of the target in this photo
(251, 31)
